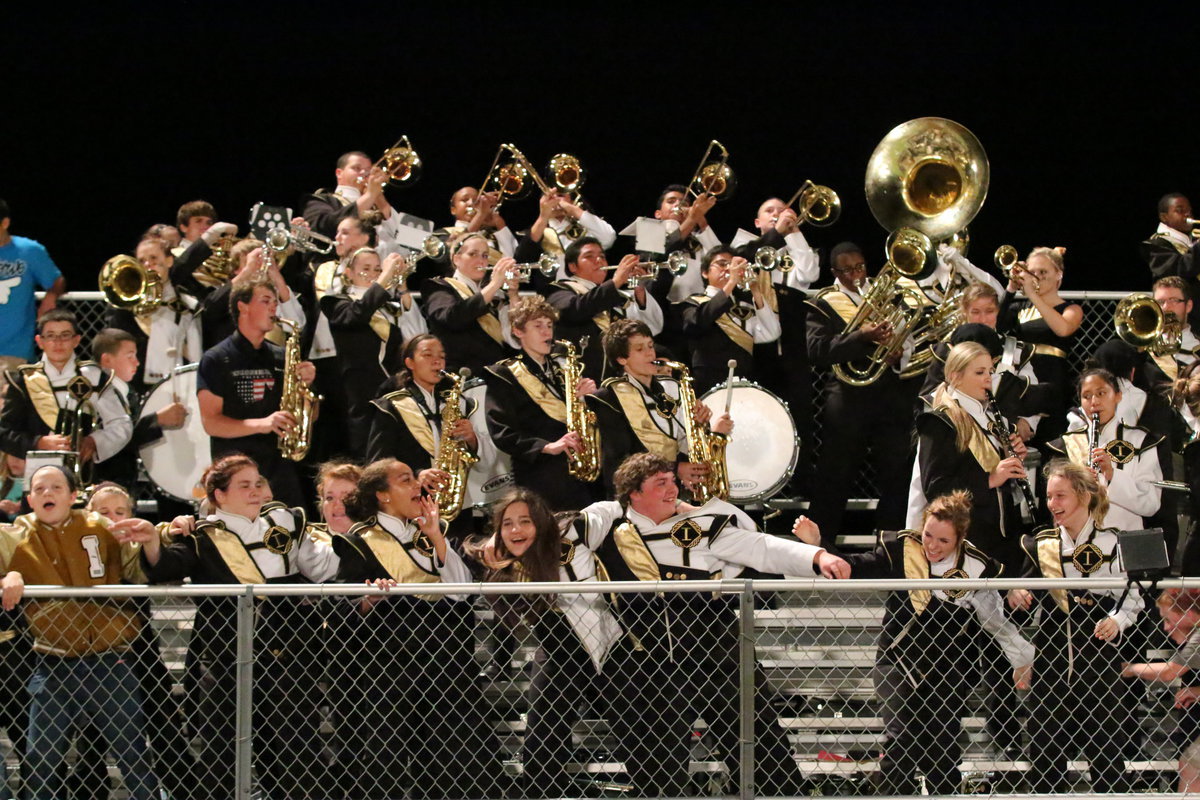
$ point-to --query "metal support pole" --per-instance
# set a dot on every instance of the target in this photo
(746, 691)
(245, 692)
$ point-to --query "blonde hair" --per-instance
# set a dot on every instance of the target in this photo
(1053, 254)
(108, 487)
(957, 361)
(1083, 483)
(954, 508)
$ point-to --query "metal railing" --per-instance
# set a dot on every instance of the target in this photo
(797, 664)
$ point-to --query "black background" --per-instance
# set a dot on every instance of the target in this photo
(113, 118)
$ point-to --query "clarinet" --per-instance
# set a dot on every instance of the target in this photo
(1093, 442)
(1006, 432)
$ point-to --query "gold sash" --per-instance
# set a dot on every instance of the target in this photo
(234, 554)
(546, 401)
(1028, 314)
(1049, 550)
(414, 420)
(551, 243)
(633, 549)
(603, 319)
(1179, 246)
(323, 277)
(1076, 445)
(489, 323)
(41, 394)
(916, 567)
(729, 326)
(841, 304)
(649, 434)
(982, 448)
(1168, 365)
(381, 325)
(395, 559)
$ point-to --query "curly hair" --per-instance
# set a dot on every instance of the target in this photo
(634, 471)
(363, 502)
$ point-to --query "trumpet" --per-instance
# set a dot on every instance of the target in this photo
(1008, 262)
(767, 258)
(713, 177)
(677, 263)
(818, 205)
(401, 163)
(431, 247)
(547, 265)
(1195, 223)
(299, 238)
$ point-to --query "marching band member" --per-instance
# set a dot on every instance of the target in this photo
(639, 411)
(1076, 705)
(40, 408)
(1171, 249)
(1048, 323)
(197, 223)
(358, 189)
(685, 666)
(1124, 456)
(248, 541)
(476, 213)
(551, 231)
(931, 642)
(527, 413)
(240, 387)
(193, 219)
(876, 417)
(82, 668)
(369, 325)
(409, 701)
(468, 315)
(589, 301)
(169, 335)
(335, 482)
(720, 326)
(959, 448)
(688, 230)
(1174, 296)
(574, 632)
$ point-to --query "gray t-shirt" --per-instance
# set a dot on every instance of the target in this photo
(1189, 654)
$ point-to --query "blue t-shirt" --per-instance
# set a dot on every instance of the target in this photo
(25, 267)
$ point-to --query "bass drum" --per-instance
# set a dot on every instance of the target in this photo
(176, 462)
(493, 475)
(762, 453)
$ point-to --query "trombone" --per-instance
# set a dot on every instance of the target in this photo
(400, 162)
(513, 179)
(569, 175)
(713, 177)
(818, 205)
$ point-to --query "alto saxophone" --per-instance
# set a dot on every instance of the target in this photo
(298, 400)
(584, 463)
(704, 445)
(453, 456)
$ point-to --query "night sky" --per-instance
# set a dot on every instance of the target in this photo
(114, 119)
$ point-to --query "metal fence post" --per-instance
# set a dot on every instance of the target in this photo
(746, 691)
(245, 692)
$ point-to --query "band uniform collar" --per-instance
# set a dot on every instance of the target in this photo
(970, 405)
(235, 522)
(397, 527)
(1171, 233)
(1086, 533)
(351, 193)
(53, 373)
(459, 276)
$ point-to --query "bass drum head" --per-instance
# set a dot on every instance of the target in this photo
(176, 462)
(762, 452)
(492, 476)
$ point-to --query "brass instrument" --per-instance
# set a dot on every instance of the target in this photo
(401, 163)
(1195, 223)
(926, 180)
(453, 456)
(704, 445)
(818, 205)
(514, 179)
(1141, 322)
(432, 247)
(298, 237)
(713, 177)
(936, 327)
(569, 175)
(930, 174)
(127, 284)
(584, 463)
(767, 259)
(1009, 262)
(677, 263)
(546, 264)
(298, 399)
(218, 268)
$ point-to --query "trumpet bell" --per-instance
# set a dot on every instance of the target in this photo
(278, 239)
(567, 171)
(819, 205)
(677, 263)
(433, 247)
(910, 252)
(930, 174)
(1005, 258)
(1139, 321)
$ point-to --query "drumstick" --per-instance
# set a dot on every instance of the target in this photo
(729, 385)
(173, 352)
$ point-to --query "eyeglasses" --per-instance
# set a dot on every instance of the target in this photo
(58, 337)
(861, 267)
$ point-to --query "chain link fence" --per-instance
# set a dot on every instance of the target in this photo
(755, 689)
